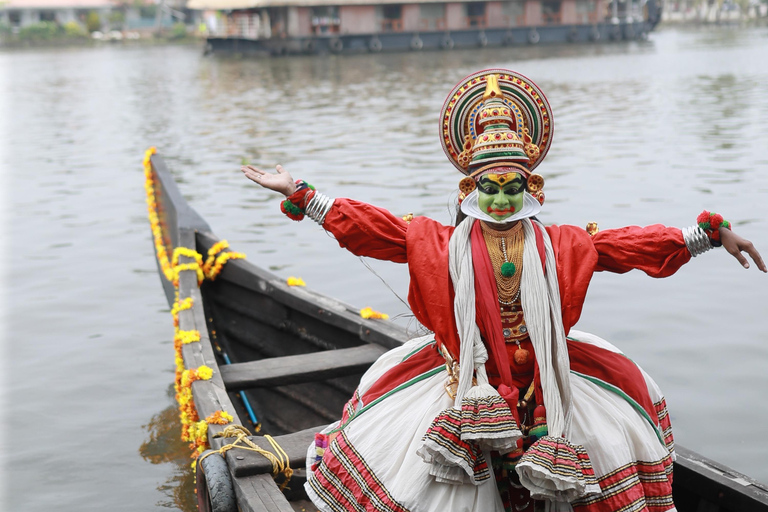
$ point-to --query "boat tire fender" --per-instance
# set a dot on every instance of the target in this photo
(615, 33)
(215, 492)
(309, 46)
(629, 32)
(533, 36)
(336, 45)
(573, 35)
(447, 43)
(375, 45)
(416, 43)
(482, 40)
(594, 34)
(509, 39)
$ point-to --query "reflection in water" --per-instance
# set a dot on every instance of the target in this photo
(163, 446)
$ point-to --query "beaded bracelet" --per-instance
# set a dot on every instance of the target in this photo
(711, 223)
(295, 204)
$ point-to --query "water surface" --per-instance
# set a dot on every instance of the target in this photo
(644, 133)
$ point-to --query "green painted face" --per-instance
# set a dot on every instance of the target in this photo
(501, 195)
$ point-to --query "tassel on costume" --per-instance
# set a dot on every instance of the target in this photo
(443, 448)
(554, 469)
(487, 420)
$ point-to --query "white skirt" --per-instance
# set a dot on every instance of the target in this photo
(371, 463)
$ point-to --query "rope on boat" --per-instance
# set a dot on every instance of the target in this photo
(279, 459)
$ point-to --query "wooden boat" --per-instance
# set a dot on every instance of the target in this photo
(291, 358)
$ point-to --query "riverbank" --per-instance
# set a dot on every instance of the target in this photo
(46, 34)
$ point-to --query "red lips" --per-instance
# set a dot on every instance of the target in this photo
(505, 211)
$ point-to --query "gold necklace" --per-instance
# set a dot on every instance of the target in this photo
(505, 249)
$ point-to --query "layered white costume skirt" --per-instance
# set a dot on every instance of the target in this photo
(371, 461)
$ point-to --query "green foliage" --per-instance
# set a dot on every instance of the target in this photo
(93, 21)
(42, 31)
(5, 29)
(116, 18)
(178, 31)
(74, 30)
(147, 11)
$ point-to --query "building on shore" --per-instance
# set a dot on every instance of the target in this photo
(21, 13)
(312, 26)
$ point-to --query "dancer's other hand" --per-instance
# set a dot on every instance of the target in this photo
(281, 182)
(736, 244)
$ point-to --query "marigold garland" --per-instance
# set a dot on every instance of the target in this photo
(216, 259)
(192, 429)
(370, 313)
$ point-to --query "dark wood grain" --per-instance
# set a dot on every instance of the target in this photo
(259, 493)
(279, 371)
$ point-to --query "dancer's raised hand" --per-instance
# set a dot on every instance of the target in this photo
(281, 182)
(735, 244)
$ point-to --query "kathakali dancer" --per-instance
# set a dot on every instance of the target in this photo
(504, 407)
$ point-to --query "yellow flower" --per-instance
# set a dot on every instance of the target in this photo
(204, 372)
(370, 313)
(295, 281)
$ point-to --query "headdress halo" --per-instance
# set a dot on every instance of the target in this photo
(522, 110)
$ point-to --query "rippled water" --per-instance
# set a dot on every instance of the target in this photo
(645, 133)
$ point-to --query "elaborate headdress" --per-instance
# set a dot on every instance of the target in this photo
(493, 119)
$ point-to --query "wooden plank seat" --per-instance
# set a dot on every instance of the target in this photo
(279, 371)
(248, 463)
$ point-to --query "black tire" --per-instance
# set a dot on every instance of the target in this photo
(214, 485)
(594, 34)
(374, 45)
(629, 32)
(533, 36)
(309, 46)
(416, 43)
(447, 43)
(509, 39)
(615, 33)
(336, 45)
(573, 35)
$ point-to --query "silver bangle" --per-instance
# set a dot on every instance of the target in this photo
(696, 240)
(318, 207)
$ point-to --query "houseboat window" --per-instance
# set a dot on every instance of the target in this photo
(325, 19)
(514, 13)
(47, 16)
(392, 18)
(586, 12)
(432, 16)
(476, 14)
(550, 12)
(14, 18)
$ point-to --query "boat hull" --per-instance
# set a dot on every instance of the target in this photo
(425, 41)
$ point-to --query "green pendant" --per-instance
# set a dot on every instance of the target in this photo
(508, 269)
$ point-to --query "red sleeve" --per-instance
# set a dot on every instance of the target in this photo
(366, 230)
(657, 250)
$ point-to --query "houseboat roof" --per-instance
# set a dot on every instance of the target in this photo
(255, 4)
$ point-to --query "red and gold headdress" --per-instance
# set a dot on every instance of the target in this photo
(494, 119)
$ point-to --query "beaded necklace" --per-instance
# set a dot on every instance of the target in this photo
(505, 249)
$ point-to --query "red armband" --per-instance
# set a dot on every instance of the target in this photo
(711, 223)
(295, 204)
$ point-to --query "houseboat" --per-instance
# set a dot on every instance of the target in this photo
(280, 27)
